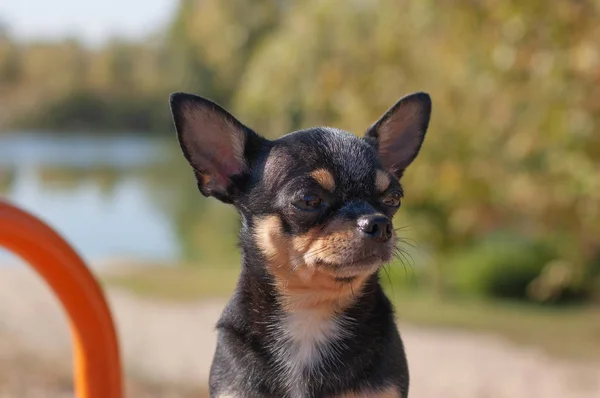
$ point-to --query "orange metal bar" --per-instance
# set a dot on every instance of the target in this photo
(97, 363)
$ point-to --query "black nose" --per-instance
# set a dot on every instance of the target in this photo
(377, 227)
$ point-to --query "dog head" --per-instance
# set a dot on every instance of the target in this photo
(318, 203)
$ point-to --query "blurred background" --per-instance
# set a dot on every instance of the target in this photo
(502, 211)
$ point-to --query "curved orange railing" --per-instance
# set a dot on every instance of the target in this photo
(97, 363)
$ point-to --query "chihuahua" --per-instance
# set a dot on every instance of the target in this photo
(308, 317)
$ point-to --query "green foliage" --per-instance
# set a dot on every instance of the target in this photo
(513, 143)
(87, 111)
(592, 279)
(501, 266)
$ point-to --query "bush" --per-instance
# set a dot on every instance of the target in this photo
(409, 271)
(500, 266)
(567, 281)
(593, 280)
(401, 277)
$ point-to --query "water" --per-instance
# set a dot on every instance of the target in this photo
(98, 193)
(119, 198)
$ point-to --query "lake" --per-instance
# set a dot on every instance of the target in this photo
(118, 197)
(100, 193)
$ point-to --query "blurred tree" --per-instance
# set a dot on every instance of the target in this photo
(211, 42)
(513, 144)
(10, 64)
(513, 141)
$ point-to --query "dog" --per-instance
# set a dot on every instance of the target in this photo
(308, 317)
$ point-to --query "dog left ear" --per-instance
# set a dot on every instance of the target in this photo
(399, 133)
(215, 143)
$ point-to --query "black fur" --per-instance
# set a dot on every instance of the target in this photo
(370, 355)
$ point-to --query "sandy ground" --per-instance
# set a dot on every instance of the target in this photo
(169, 347)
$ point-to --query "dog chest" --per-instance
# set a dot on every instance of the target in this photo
(303, 341)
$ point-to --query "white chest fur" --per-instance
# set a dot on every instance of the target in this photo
(303, 341)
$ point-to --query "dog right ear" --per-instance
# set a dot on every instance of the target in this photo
(214, 142)
(399, 133)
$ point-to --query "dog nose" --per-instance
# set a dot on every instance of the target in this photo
(378, 228)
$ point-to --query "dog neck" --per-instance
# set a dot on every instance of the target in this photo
(302, 338)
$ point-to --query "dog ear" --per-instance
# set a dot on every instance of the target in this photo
(399, 133)
(214, 143)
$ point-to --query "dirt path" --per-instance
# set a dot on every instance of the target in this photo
(172, 344)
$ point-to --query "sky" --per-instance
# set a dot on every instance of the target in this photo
(92, 21)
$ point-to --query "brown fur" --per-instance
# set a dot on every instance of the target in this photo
(302, 284)
(329, 247)
(324, 178)
(382, 181)
(205, 178)
(331, 244)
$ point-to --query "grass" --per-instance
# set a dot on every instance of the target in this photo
(175, 283)
(568, 331)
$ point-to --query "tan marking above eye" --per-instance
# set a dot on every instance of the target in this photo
(324, 178)
(382, 180)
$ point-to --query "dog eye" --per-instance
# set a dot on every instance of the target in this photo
(392, 199)
(308, 202)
